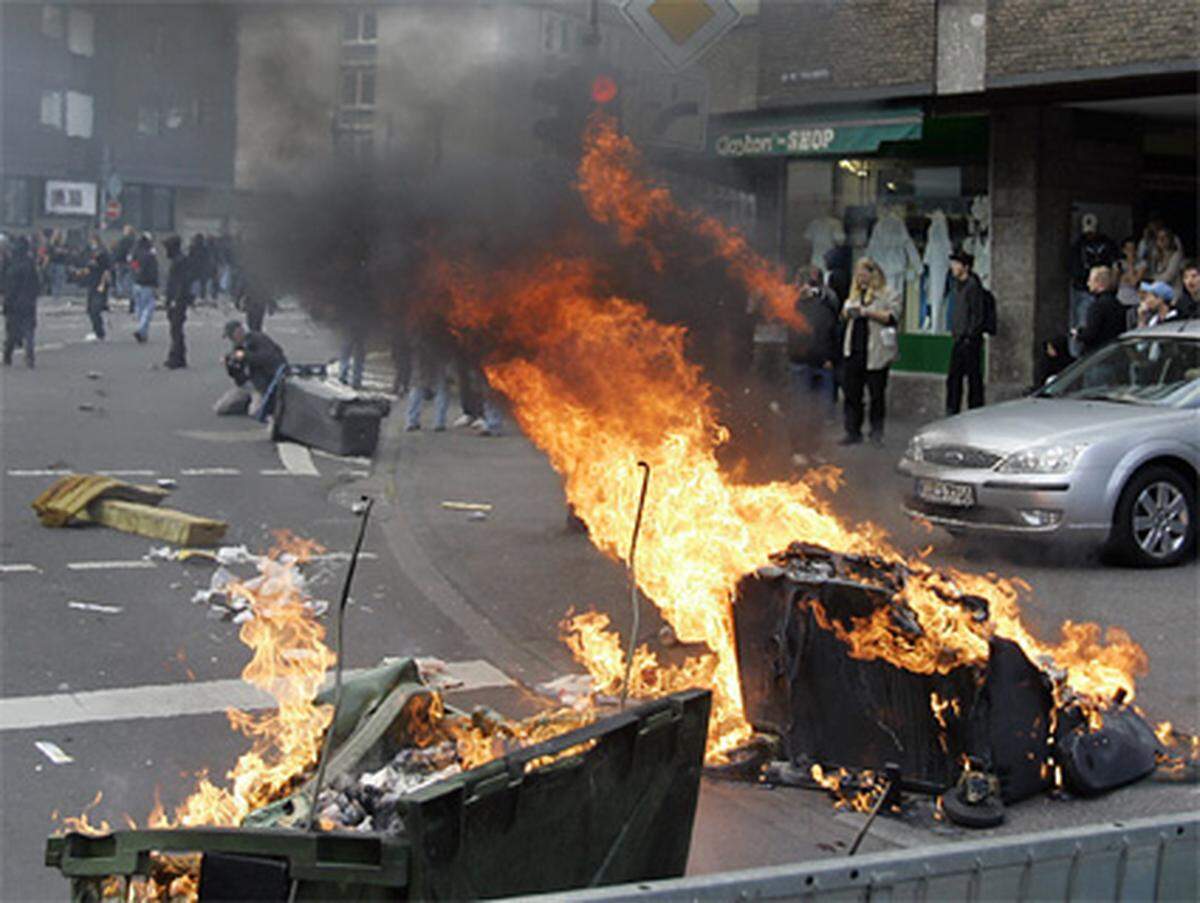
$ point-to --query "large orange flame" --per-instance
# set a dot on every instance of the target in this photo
(599, 385)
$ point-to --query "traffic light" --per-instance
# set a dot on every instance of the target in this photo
(574, 93)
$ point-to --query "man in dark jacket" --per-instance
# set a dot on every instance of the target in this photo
(20, 302)
(1106, 318)
(95, 277)
(255, 357)
(179, 296)
(1091, 249)
(145, 284)
(967, 310)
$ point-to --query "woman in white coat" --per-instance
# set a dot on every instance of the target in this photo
(871, 312)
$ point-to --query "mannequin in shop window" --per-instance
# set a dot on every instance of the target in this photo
(893, 249)
(937, 259)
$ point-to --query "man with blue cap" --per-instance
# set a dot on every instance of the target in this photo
(1155, 304)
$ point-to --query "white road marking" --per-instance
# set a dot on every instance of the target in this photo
(200, 698)
(210, 472)
(39, 473)
(138, 564)
(53, 752)
(97, 607)
(19, 569)
(276, 472)
(126, 473)
(51, 346)
(255, 435)
(297, 459)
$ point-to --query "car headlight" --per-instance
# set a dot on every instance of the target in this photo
(916, 449)
(1042, 459)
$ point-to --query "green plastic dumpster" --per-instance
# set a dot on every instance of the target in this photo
(619, 808)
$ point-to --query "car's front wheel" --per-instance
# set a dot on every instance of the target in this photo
(1155, 521)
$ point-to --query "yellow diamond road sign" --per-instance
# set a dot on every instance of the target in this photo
(681, 30)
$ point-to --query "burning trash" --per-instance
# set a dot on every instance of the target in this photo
(402, 767)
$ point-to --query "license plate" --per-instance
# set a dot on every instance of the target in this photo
(940, 492)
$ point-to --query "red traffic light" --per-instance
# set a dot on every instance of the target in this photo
(604, 89)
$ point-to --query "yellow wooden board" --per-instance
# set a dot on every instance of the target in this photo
(164, 524)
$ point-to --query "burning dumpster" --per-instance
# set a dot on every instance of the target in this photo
(808, 679)
(611, 801)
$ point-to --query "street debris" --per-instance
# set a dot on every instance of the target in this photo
(167, 483)
(477, 515)
(53, 752)
(96, 607)
(94, 374)
(91, 498)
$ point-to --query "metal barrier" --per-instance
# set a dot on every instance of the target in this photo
(1142, 859)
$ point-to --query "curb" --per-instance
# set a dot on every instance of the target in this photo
(436, 586)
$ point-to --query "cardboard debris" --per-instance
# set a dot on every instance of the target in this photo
(89, 498)
(467, 506)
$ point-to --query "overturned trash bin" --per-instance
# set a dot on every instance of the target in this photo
(331, 417)
(613, 801)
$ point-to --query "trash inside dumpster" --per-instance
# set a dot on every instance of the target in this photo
(401, 818)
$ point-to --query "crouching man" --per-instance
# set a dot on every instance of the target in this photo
(255, 360)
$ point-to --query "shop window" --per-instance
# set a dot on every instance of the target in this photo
(359, 27)
(52, 109)
(81, 30)
(358, 86)
(80, 114)
(52, 21)
(18, 202)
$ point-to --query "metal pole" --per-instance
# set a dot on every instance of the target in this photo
(633, 589)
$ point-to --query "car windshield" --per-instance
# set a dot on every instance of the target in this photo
(1148, 370)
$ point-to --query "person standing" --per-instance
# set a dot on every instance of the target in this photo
(145, 284)
(96, 276)
(431, 360)
(1187, 302)
(21, 288)
(59, 255)
(1166, 259)
(967, 319)
(1156, 304)
(871, 313)
(1106, 317)
(1091, 249)
(178, 297)
(812, 352)
(123, 271)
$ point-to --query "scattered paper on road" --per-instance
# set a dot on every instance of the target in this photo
(53, 752)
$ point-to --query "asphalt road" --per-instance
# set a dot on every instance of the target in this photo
(437, 583)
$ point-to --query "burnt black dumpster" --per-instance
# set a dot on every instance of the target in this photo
(610, 802)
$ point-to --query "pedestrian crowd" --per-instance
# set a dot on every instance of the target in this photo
(45, 263)
(848, 337)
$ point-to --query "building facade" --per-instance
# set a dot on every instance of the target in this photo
(908, 129)
(88, 135)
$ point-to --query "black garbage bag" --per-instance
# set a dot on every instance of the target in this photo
(1121, 751)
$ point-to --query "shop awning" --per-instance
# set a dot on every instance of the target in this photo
(840, 134)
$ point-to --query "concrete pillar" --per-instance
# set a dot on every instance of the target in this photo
(1014, 173)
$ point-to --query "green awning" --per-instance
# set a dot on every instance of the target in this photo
(797, 137)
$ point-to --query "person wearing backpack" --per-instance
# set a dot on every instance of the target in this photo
(969, 315)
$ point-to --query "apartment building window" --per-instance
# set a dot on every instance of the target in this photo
(52, 109)
(353, 145)
(359, 27)
(149, 121)
(18, 202)
(358, 86)
(53, 23)
(80, 114)
(81, 32)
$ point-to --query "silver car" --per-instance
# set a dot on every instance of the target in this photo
(1109, 450)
